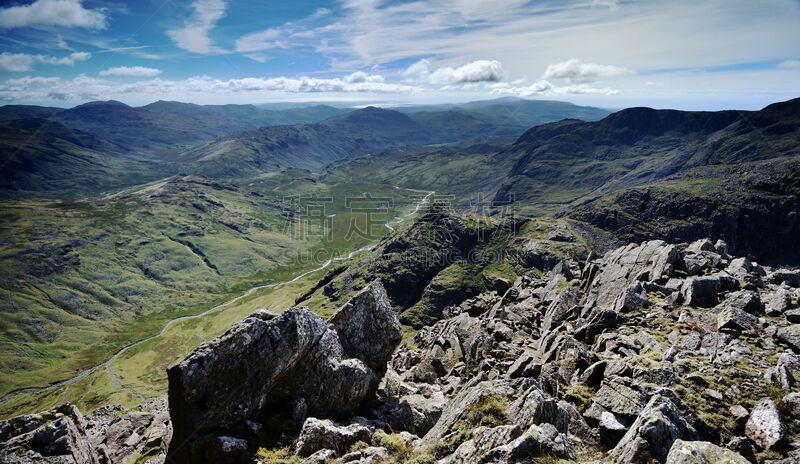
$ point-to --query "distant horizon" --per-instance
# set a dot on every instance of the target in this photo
(345, 104)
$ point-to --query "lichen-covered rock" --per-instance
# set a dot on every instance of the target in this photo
(367, 327)
(702, 452)
(779, 301)
(458, 408)
(622, 267)
(321, 434)
(732, 318)
(482, 445)
(790, 335)
(258, 366)
(122, 435)
(765, 426)
(370, 454)
(621, 396)
(56, 436)
(701, 291)
(652, 434)
(416, 413)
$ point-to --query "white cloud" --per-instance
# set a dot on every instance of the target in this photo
(359, 77)
(31, 81)
(418, 71)
(67, 60)
(70, 13)
(470, 73)
(543, 87)
(193, 36)
(581, 73)
(139, 71)
(83, 88)
(789, 64)
(610, 4)
(258, 41)
(15, 62)
(19, 62)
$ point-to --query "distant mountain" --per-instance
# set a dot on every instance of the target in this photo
(560, 162)
(384, 126)
(272, 148)
(517, 112)
(165, 125)
(45, 158)
(8, 112)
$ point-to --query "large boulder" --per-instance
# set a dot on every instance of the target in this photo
(320, 434)
(266, 363)
(367, 327)
(790, 335)
(651, 436)
(650, 261)
(701, 291)
(702, 452)
(621, 396)
(765, 426)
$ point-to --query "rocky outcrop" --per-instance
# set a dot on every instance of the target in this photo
(293, 364)
(54, 436)
(111, 434)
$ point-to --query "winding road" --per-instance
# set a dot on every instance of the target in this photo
(107, 363)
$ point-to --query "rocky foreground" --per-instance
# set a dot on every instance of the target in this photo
(653, 353)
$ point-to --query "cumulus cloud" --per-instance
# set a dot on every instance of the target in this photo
(359, 77)
(789, 64)
(543, 87)
(68, 60)
(139, 71)
(193, 36)
(15, 62)
(70, 13)
(19, 62)
(582, 73)
(84, 87)
(470, 73)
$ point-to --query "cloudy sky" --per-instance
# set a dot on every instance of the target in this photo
(690, 54)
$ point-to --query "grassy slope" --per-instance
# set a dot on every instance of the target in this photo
(94, 275)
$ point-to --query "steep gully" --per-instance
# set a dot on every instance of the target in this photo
(107, 363)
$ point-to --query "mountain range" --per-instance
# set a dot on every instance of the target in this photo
(516, 251)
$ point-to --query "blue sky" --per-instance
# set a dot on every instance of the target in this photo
(710, 54)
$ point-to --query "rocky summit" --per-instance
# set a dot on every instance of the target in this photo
(654, 353)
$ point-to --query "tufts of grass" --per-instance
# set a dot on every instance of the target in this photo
(277, 456)
(489, 411)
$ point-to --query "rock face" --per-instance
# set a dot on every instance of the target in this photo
(111, 434)
(266, 363)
